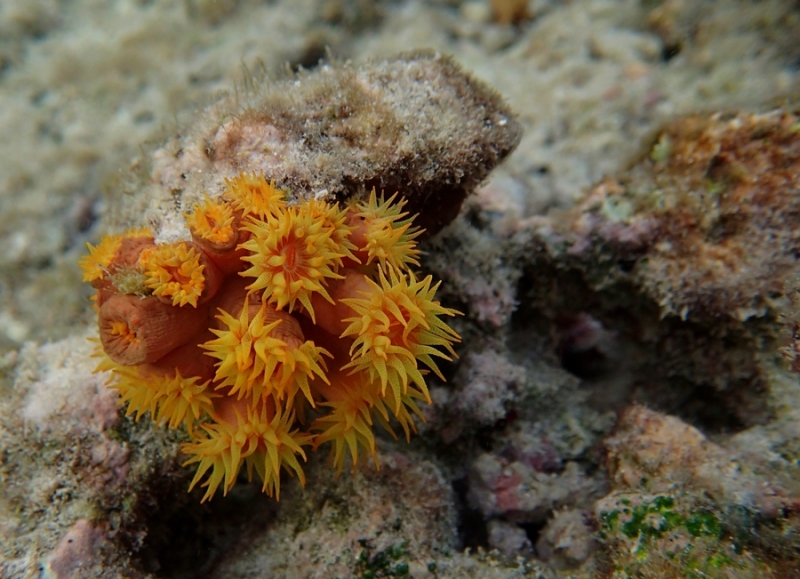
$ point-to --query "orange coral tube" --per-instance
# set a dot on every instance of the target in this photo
(330, 315)
(360, 228)
(136, 330)
(331, 342)
(227, 257)
(358, 237)
(128, 253)
(227, 261)
(188, 359)
(105, 289)
(231, 410)
(231, 300)
(231, 297)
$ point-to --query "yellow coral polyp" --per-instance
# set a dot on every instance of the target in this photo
(256, 362)
(354, 404)
(212, 221)
(95, 265)
(262, 444)
(334, 220)
(174, 271)
(233, 347)
(291, 256)
(398, 324)
(388, 237)
(134, 389)
(171, 400)
(180, 400)
(287, 371)
(254, 195)
(349, 423)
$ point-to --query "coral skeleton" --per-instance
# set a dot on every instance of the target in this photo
(280, 325)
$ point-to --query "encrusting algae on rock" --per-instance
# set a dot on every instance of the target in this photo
(279, 327)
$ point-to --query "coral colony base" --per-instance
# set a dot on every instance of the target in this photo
(279, 326)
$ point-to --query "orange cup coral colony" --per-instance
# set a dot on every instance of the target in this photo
(279, 326)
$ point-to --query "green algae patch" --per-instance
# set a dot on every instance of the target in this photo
(667, 536)
(388, 562)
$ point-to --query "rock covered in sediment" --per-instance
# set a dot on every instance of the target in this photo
(386, 522)
(706, 224)
(416, 124)
(681, 503)
(683, 260)
(70, 472)
(517, 491)
(667, 453)
(77, 552)
(510, 539)
(489, 382)
(567, 539)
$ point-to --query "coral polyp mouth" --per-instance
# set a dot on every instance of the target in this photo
(213, 222)
(124, 332)
(309, 329)
(291, 255)
(174, 272)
